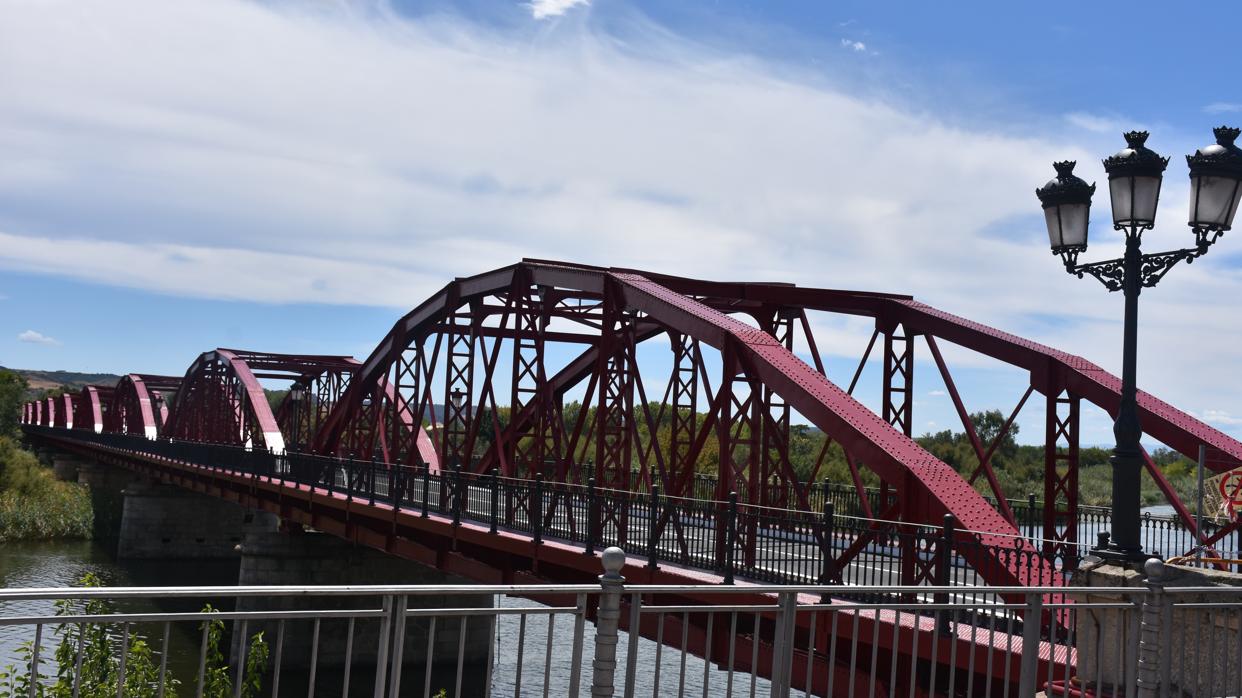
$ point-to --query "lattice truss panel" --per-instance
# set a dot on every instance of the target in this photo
(569, 372)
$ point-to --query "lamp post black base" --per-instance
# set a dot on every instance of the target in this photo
(1122, 557)
(1117, 555)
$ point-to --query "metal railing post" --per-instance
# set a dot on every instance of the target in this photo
(494, 483)
(458, 496)
(536, 509)
(591, 516)
(943, 579)
(1154, 658)
(783, 645)
(1030, 645)
(397, 657)
(826, 547)
(1030, 515)
(372, 478)
(607, 618)
(426, 488)
(653, 535)
(730, 536)
(385, 643)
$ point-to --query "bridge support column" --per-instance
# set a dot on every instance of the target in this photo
(105, 483)
(310, 558)
(65, 467)
(164, 522)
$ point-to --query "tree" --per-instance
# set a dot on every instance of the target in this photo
(988, 426)
(12, 389)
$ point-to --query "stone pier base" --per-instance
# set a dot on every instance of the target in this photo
(306, 558)
(65, 468)
(164, 522)
(1198, 648)
(107, 502)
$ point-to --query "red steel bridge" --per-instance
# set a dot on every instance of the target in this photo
(618, 384)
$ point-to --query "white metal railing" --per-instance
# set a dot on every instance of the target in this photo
(777, 641)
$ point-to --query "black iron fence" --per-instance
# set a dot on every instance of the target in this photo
(1162, 533)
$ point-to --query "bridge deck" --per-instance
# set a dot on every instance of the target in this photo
(509, 555)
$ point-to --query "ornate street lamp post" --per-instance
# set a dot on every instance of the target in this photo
(1134, 177)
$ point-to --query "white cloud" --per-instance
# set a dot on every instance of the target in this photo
(542, 9)
(299, 152)
(1097, 123)
(854, 45)
(937, 393)
(37, 338)
(1223, 108)
(1220, 418)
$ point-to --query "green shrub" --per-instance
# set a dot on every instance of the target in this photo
(34, 505)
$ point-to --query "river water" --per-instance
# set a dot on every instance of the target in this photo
(61, 564)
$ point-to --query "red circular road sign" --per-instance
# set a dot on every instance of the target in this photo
(1231, 490)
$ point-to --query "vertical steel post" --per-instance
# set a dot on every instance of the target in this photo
(1154, 654)
(385, 642)
(1030, 645)
(426, 488)
(1030, 516)
(783, 645)
(607, 618)
(943, 579)
(827, 545)
(536, 509)
(372, 479)
(1199, 504)
(591, 516)
(458, 500)
(653, 535)
(494, 483)
(730, 537)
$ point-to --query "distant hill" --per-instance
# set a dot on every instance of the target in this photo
(41, 381)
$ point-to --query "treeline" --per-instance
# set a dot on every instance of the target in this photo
(1019, 468)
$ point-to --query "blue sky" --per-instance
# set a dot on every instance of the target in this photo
(294, 176)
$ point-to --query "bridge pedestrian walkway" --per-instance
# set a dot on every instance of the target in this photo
(494, 529)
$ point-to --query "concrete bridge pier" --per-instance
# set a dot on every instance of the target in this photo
(106, 483)
(312, 558)
(165, 522)
(65, 467)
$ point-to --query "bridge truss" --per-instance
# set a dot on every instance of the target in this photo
(632, 381)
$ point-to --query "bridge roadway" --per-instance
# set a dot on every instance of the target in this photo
(422, 527)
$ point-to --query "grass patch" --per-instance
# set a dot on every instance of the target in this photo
(34, 505)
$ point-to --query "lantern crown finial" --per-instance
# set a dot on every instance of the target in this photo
(1066, 187)
(1136, 159)
(1223, 157)
(1226, 135)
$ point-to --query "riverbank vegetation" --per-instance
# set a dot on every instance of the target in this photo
(34, 505)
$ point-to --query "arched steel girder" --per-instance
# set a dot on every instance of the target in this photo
(90, 407)
(139, 404)
(50, 413)
(1050, 369)
(1062, 377)
(623, 308)
(64, 410)
(223, 401)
